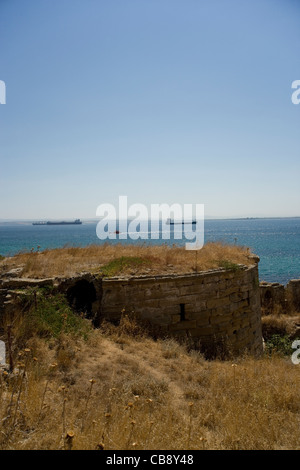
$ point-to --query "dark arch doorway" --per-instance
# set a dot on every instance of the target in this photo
(81, 297)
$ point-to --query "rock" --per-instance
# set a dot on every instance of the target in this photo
(15, 272)
(21, 283)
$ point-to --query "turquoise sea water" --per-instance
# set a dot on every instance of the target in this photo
(276, 241)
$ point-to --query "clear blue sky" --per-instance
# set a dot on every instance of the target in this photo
(164, 101)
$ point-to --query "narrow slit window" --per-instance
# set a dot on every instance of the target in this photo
(182, 312)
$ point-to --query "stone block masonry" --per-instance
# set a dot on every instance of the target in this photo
(277, 297)
(293, 294)
(218, 309)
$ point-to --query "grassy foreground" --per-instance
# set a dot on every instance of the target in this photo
(73, 387)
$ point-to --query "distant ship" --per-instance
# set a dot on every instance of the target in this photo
(172, 222)
(63, 222)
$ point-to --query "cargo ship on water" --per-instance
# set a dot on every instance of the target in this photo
(172, 222)
(62, 222)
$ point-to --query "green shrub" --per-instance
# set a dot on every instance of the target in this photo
(228, 265)
(281, 344)
(119, 265)
(48, 314)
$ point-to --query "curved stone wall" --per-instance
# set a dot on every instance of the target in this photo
(219, 310)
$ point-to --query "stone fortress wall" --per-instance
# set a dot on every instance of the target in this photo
(216, 309)
(283, 297)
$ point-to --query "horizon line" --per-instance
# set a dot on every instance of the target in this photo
(207, 217)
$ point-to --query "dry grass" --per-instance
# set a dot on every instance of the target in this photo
(281, 320)
(122, 390)
(281, 324)
(140, 259)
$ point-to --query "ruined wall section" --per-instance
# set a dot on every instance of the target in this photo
(276, 297)
(213, 307)
(216, 309)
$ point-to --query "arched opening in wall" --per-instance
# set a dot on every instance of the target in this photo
(268, 296)
(81, 297)
(267, 303)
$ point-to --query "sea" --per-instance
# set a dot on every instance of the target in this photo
(275, 240)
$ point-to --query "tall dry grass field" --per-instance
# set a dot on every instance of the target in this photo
(120, 389)
(116, 388)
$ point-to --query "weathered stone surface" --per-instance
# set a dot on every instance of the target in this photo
(293, 293)
(271, 295)
(284, 298)
(238, 296)
(183, 325)
(19, 283)
(211, 307)
(201, 317)
(203, 331)
(222, 302)
(15, 272)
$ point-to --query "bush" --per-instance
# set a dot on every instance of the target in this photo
(228, 265)
(279, 344)
(119, 265)
(48, 314)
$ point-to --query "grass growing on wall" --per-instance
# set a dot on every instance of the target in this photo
(124, 263)
(137, 258)
(228, 265)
